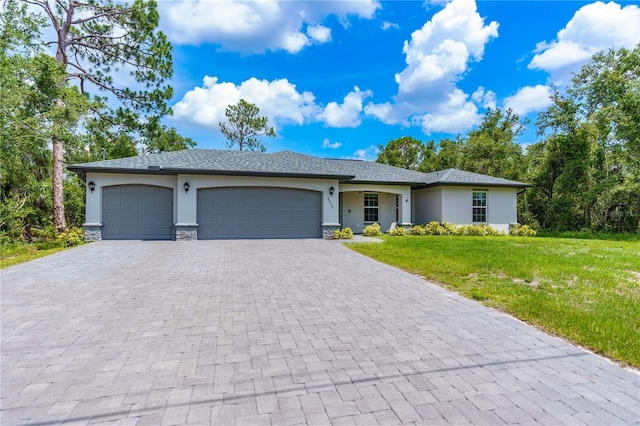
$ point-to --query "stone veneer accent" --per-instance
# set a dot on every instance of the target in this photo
(92, 232)
(186, 231)
(328, 228)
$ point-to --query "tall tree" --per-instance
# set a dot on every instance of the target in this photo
(31, 115)
(93, 41)
(491, 149)
(586, 170)
(244, 126)
(405, 152)
(450, 153)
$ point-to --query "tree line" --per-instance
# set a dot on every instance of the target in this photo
(101, 95)
(584, 171)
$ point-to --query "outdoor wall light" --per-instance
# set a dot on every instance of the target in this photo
(92, 186)
(186, 187)
(331, 190)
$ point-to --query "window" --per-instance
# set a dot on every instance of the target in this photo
(370, 207)
(479, 206)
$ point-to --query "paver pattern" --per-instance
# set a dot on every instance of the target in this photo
(278, 333)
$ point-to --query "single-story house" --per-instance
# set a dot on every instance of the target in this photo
(218, 194)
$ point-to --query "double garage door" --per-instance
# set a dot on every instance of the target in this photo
(145, 212)
(258, 212)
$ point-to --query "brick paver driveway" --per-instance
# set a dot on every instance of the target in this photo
(278, 332)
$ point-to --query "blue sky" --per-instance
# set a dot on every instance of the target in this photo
(337, 79)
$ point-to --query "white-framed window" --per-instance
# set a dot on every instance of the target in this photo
(479, 206)
(371, 207)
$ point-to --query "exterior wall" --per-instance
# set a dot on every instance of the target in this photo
(353, 205)
(457, 205)
(501, 206)
(427, 205)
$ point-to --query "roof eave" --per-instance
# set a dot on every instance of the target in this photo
(178, 171)
(488, 185)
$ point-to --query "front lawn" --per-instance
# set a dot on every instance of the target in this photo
(18, 252)
(587, 291)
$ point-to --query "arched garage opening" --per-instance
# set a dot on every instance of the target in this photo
(258, 212)
(137, 212)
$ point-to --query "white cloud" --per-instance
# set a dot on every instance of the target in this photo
(347, 114)
(385, 112)
(437, 55)
(331, 145)
(257, 26)
(486, 98)
(368, 154)
(529, 99)
(278, 100)
(319, 33)
(594, 27)
(454, 116)
(441, 49)
(389, 25)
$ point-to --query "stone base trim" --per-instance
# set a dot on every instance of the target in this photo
(328, 228)
(92, 231)
(186, 231)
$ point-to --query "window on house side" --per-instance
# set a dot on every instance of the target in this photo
(371, 207)
(479, 207)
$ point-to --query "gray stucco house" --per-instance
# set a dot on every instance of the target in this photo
(216, 194)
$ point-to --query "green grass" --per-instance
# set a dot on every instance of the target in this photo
(588, 235)
(587, 291)
(16, 252)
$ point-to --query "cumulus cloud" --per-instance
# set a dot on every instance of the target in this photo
(331, 145)
(278, 100)
(594, 27)
(437, 55)
(454, 116)
(347, 114)
(257, 26)
(529, 99)
(319, 33)
(486, 98)
(368, 154)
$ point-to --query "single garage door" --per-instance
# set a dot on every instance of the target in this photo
(137, 212)
(259, 212)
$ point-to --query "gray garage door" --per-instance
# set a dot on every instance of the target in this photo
(137, 212)
(258, 212)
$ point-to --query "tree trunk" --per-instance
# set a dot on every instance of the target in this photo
(59, 220)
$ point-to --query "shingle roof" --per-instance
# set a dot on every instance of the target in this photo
(285, 163)
(461, 177)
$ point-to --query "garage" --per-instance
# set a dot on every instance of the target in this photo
(137, 212)
(258, 212)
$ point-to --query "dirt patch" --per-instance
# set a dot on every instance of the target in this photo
(532, 284)
(635, 276)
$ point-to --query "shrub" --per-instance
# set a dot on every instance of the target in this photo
(477, 230)
(71, 237)
(449, 228)
(343, 234)
(518, 230)
(398, 232)
(418, 230)
(434, 228)
(372, 230)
